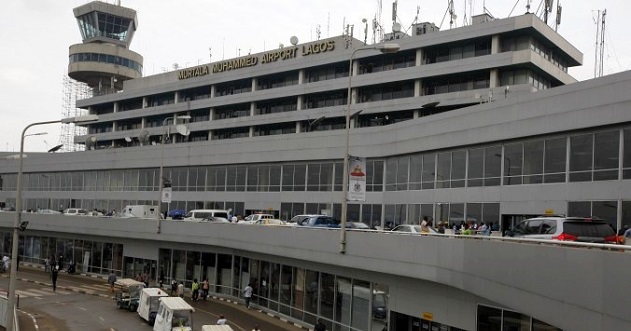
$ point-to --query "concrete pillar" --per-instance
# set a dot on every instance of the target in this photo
(212, 91)
(252, 108)
(494, 78)
(254, 81)
(299, 105)
(495, 44)
(177, 97)
(116, 105)
(301, 76)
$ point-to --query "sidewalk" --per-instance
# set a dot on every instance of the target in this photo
(30, 323)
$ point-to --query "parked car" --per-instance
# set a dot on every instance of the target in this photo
(321, 221)
(207, 215)
(254, 218)
(412, 228)
(580, 229)
(358, 225)
(298, 219)
(269, 222)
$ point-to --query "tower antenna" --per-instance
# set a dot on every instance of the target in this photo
(600, 43)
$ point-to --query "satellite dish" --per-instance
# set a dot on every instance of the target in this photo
(396, 27)
(293, 40)
(56, 148)
(90, 143)
(143, 137)
(128, 139)
(182, 129)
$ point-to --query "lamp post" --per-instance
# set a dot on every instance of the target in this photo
(383, 48)
(160, 179)
(18, 214)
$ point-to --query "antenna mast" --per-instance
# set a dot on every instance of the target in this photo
(600, 44)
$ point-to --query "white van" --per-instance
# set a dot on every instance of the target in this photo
(142, 211)
(149, 303)
(75, 212)
(174, 314)
(207, 215)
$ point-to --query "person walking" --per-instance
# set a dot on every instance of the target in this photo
(111, 279)
(195, 288)
(247, 295)
(256, 328)
(222, 320)
(319, 326)
(180, 290)
(205, 288)
(173, 287)
(53, 276)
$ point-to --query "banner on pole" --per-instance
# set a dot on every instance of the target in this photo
(357, 179)
(166, 194)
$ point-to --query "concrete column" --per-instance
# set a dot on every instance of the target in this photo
(254, 81)
(212, 91)
(252, 108)
(251, 134)
(495, 44)
(144, 102)
(299, 105)
(419, 57)
(298, 126)
(116, 107)
(177, 97)
(301, 76)
(494, 78)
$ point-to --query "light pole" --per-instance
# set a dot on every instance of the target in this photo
(160, 179)
(383, 48)
(18, 215)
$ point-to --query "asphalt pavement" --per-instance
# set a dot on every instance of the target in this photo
(239, 317)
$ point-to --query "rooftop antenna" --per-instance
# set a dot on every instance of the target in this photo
(210, 53)
(394, 11)
(527, 6)
(452, 14)
(600, 43)
(548, 9)
(558, 19)
(365, 21)
(318, 32)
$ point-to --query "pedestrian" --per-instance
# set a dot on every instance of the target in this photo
(145, 279)
(256, 328)
(222, 320)
(205, 288)
(319, 326)
(46, 265)
(60, 263)
(247, 294)
(485, 229)
(195, 288)
(180, 290)
(6, 263)
(53, 276)
(173, 287)
(425, 225)
(111, 279)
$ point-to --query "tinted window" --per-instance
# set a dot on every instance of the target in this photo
(224, 215)
(588, 229)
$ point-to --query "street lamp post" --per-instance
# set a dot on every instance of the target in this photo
(160, 179)
(383, 48)
(18, 215)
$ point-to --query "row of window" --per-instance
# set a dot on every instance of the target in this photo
(592, 157)
(374, 64)
(106, 58)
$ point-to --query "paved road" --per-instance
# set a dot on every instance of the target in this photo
(85, 303)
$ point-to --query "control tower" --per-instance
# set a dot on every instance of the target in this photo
(103, 61)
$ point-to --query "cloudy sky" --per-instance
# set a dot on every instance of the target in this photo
(36, 34)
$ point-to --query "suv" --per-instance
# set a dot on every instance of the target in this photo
(580, 229)
(321, 221)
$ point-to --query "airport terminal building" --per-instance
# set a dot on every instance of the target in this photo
(481, 123)
(478, 123)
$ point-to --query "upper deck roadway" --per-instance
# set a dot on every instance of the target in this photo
(570, 287)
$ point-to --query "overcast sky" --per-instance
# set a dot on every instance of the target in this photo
(35, 37)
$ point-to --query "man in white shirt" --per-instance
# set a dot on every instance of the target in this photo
(247, 294)
(222, 320)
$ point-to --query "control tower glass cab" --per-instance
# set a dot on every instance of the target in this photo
(107, 27)
(103, 61)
